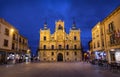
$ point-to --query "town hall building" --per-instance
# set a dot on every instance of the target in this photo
(60, 46)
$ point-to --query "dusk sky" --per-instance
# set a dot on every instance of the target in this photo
(28, 16)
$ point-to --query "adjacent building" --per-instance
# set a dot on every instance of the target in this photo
(12, 44)
(98, 41)
(111, 26)
(106, 37)
(60, 46)
(91, 53)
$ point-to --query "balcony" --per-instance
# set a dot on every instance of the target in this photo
(110, 31)
(115, 43)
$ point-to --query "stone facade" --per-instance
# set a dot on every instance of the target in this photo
(111, 26)
(60, 46)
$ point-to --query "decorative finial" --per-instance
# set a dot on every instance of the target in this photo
(74, 24)
(45, 24)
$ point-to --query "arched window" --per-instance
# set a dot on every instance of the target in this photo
(75, 53)
(60, 27)
(44, 38)
(67, 53)
(75, 46)
(52, 53)
(60, 47)
(75, 38)
(52, 47)
(44, 47)
(67, 47)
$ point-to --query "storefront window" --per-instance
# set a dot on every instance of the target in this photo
(112, 56)
(117, 56)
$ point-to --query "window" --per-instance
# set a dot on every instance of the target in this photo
(112, 56)
(44, 47)
(111, 27)
(102, 43)
(44, 38)
(112, 39)
(98, 44)
(67, 58)
(44, 59)
(75, 53)
(60, 47)
(75, 46)
(75, 59)
(6, 31)
(94, 45)
(13, 46)
(52, 47)
(0, 28)
(60, 27)
(13, 36)
(51, 58)
(52, 53)
(5, 43)
(67, 53)
(23, 41)
(75, 38)
(20, 39)
(67, 47)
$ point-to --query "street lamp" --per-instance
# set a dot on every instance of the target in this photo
(12, 30)
(98, 26)
(28, 51)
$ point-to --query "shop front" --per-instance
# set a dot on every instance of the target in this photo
(2, 57)
(114, 56)
(100, 55)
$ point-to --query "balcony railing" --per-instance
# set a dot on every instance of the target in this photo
(110, 31)
(115, 43)
(59, 49)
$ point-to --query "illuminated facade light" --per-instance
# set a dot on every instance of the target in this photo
(12, 30)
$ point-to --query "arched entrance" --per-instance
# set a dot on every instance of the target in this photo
(60, 57)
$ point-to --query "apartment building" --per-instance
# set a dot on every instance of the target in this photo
(106, 37)
(9, 42)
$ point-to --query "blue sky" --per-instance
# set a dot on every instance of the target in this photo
(28, 16)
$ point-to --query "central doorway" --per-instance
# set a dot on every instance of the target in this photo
(60, 57)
